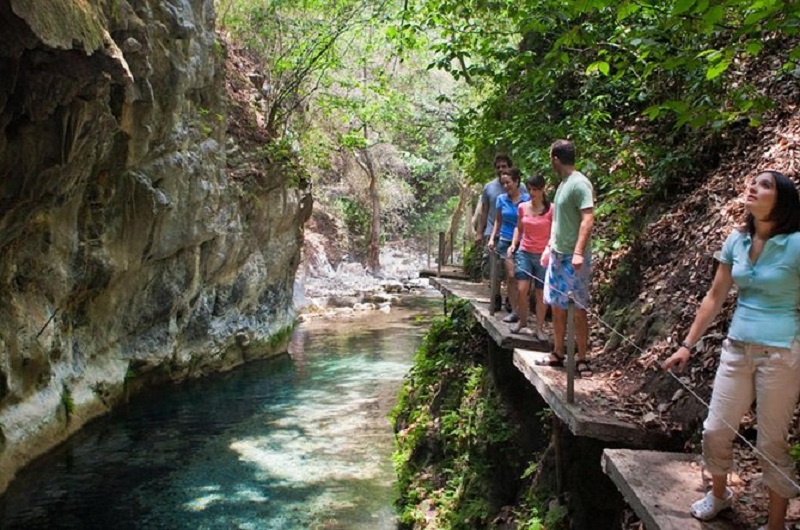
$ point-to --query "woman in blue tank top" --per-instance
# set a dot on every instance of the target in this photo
(760, 358)
(504, 225)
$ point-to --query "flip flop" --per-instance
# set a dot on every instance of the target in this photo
(551, 360)
(583, 368)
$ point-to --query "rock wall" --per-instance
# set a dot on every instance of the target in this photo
(127, 253)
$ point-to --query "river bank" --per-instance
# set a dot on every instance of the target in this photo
(297, 442)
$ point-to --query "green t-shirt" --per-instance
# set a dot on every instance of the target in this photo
(573, 195)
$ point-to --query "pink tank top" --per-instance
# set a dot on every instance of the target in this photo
(535, 230)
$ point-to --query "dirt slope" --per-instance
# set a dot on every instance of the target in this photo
(665, 275)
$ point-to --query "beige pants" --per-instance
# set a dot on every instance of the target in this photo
(771, 376)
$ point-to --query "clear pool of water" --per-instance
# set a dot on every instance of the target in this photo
(299, 442)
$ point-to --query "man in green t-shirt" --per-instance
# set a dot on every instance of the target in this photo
(568, 256)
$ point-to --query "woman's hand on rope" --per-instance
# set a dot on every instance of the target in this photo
(677, 360)
(544, 259)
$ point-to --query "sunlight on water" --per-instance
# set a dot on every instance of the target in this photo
(297, 443)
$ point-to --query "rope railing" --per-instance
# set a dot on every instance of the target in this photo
(685, 386)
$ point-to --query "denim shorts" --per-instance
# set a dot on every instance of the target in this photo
(502, 250)
(530, 264)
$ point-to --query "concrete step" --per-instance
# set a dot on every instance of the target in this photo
(660, 487)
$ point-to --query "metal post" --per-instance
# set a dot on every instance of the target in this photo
(555, 427)
(452, 248)
(428, 247)
(441, 255)
(570, 349)
(494, 289)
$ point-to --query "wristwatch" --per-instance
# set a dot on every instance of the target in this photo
(688, 346)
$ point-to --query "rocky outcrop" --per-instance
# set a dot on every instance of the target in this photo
(127, 253)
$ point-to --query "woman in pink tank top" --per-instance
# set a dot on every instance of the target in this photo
(534, 221)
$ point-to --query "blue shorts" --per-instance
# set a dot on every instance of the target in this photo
(530, 264)
(502, 248)
(562, 279)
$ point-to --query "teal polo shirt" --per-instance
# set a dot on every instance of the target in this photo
(769, 290)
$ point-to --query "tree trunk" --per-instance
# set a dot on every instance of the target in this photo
(373, 254)
(465, 190)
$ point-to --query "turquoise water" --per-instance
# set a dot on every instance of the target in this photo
(300, 442)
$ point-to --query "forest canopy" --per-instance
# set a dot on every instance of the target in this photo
(645, 88)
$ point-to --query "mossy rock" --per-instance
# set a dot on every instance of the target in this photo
(62, 23)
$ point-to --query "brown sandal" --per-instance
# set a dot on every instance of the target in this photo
(583, 368)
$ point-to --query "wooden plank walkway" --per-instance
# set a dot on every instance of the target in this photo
(585, 417)
(660, 487)
(478, 296)
(588, 415)
(455, 272)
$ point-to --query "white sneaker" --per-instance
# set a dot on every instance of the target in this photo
(709, 506)
(542, 336)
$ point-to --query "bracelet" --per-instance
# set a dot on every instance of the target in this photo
(688, 346)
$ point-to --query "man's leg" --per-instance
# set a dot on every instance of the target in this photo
(580, 290)
(559, 330)
(541, 310)
(485, 270)
(511, 284)
(555, 295)
(522, 306)
(581, 333)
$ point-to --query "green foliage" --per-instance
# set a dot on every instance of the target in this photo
(384, 105)
(281, 336)
(794, 452)
(639, 86)
(356, 217)
(298, 43)
(473, 261)
(334, 83)
(277, 151)
(435, 188)
(67, 402)
(556, 518)
(534, 523)
(454, 435)
(535, 511)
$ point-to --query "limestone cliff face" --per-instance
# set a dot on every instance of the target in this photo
(127, 254)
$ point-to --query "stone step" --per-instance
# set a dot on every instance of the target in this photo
(660, 487)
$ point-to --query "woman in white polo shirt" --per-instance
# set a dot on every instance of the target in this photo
(761, 356)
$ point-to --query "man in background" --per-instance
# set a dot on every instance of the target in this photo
(488, 202)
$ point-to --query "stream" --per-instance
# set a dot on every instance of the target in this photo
(298, 442)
